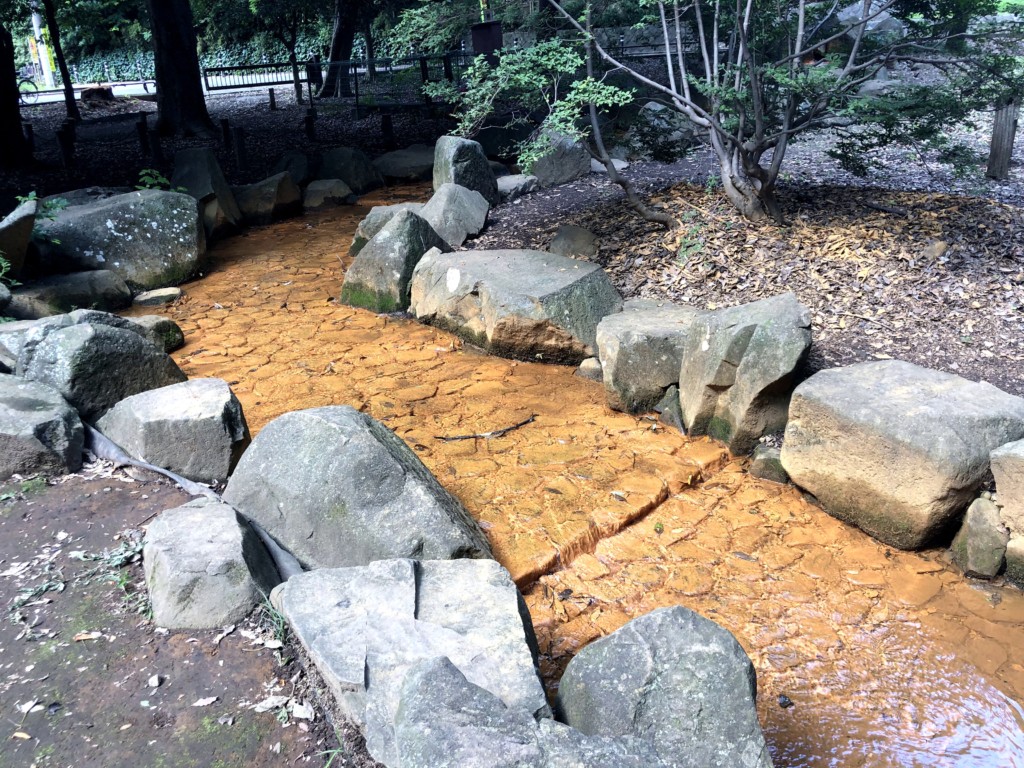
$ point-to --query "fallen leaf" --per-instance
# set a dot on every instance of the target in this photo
(87, 636)
(271, 702)
(205, 702)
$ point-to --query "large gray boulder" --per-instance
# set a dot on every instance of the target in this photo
(151, 238)
(565, 160)
(675, 679)
(39, 431)
(1008, 470)
(364, 628)
(374, 222)
(445, 721)
(896, 449)
(379, 276)
(338, 488)
(195, 429)
(415, 163)
(5, 297)
(276, 197)
(205, 567)
(15, 234)
(516, 303)
(351, 166)
(463, 162)
(455, 213)
(197, 171)
(660, 133)
(95, 366)
(99, 289)
(979, 547)
(739, 368)
(641, 350)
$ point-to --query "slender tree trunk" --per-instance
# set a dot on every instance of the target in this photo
(345, 22)
(179, 88)
(600, 153)
(13, 147)
(1004, 129)
(58, 52)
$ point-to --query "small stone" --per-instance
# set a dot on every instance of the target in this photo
(980, 546)
(157, 298)
(590, 369)
(767, 464)
(784, 701)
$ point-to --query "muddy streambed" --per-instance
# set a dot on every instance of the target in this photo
(889, 658)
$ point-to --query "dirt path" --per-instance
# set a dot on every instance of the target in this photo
(890, 658)
(87, 682)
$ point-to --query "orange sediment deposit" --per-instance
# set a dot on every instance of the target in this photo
(890, 658)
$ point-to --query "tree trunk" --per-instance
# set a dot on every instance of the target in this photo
(58, 52)
(179, 88)
(13, 146)
(1004, 130)
(293, 59)
(337, 83)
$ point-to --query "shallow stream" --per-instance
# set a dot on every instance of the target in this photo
(889, 658)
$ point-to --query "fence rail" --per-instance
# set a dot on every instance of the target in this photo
(249, 76)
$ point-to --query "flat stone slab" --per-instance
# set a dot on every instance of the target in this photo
(195, 429)
(365, 627)
(896, 449)
(523, 304)
(641, 350)
(338, 488)
(39, 431)
(197, 170)
(160, 297)
(204, 566)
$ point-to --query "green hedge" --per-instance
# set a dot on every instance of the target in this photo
(137, 63)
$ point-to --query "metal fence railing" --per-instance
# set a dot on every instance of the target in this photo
(249, 76)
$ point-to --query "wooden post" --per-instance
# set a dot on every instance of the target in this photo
(30, 138)
(241, 158)
(387, 129)
(142, 128)
(309, 121)
(156, 148)
(1004, 130)
(66, 141)
(225, 132)
(273, 100)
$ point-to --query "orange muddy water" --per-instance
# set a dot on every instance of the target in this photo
(889, 658)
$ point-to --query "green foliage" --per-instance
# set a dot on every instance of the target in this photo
(151, 178)
(544, 79)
